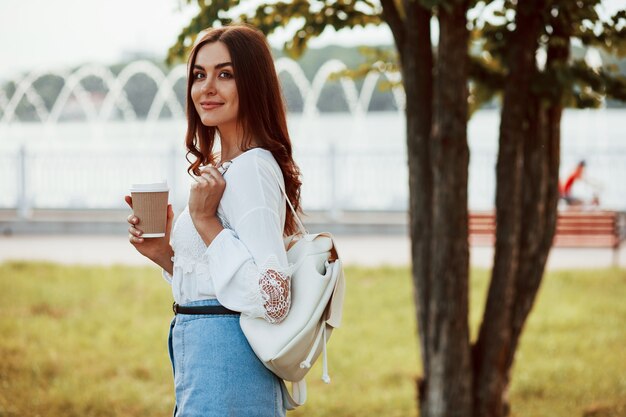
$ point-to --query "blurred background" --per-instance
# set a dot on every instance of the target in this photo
(87, 107)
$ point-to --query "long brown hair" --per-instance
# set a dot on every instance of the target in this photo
(261, 107)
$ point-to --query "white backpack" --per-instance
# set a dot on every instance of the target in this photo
(289, 348)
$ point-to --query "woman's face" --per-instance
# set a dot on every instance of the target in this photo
(214, 91)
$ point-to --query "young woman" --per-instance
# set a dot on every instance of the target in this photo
(225, 255)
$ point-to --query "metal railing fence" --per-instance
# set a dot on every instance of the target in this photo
(334, 179)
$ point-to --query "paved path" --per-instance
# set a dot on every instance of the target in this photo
(367, 250)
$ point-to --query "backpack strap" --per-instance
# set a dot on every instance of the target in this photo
(295, 400)
(282, 189)
(335, 308)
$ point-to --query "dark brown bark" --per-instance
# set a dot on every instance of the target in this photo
(417, 62)
(494, 345)
(395, 22)
(448, 391)
(438, 200)
(453, 384)
(541, 163)
(541, 170)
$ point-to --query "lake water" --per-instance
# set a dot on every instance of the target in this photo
(347, 162)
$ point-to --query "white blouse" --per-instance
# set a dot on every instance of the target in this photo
(245, 267)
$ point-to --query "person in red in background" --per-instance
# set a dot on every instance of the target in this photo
(565, 189)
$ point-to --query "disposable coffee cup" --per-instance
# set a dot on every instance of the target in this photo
(150, 207)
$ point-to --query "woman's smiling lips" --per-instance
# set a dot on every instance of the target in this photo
(210, 105)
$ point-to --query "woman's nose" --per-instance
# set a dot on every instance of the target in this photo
(209, 86)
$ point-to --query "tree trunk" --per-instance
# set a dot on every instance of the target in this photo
(413, 40)
(448, 387)
(459, 381)
(417, 63)
(541, 194)
(494, 345)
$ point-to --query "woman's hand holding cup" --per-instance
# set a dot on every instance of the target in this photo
(156, 249)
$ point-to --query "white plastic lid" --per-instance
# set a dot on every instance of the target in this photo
(150, 187)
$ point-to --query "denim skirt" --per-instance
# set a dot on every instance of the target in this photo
(216, 373)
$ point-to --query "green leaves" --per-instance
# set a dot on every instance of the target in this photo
(573, 82)
(315, 17)
(312, 17)
(377, 60)
(212, 13)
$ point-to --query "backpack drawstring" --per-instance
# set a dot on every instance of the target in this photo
(325, 376)
(307, 362)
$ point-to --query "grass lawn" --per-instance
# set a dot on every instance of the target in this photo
(91, 341)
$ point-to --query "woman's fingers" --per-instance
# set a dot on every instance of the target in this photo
(204, 179)
(206, 168)
(132, 219)
(134, 234)
(212, 171)
(134, 231)
(135, 239)
(208, 177)
(213, 177)
(200, 179)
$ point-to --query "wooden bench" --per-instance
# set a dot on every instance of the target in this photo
(575, 229)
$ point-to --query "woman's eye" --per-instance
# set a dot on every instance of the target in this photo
(198, 76)
(225, 74)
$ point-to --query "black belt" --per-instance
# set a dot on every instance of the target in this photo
(217, 309)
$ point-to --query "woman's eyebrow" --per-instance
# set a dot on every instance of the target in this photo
(223, 64)
(217, 66)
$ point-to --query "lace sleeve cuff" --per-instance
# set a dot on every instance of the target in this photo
(275, 288)
(269, 291)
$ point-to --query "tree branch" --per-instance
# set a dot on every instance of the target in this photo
(394, 20)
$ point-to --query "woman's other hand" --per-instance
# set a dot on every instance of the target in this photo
(157, 249)
(204, 199)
